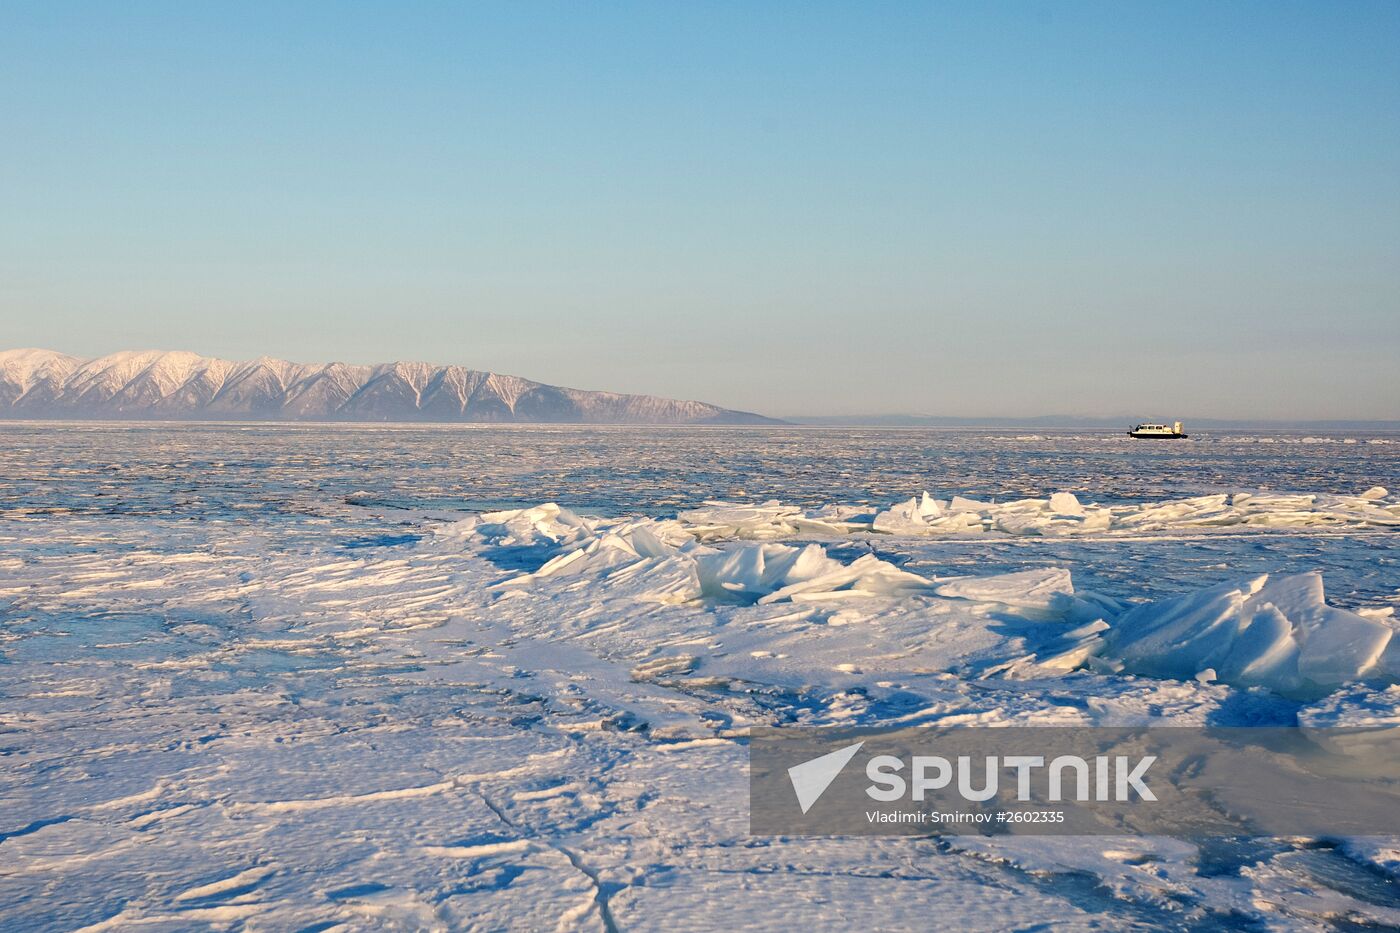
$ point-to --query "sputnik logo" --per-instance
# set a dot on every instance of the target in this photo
(811, 778)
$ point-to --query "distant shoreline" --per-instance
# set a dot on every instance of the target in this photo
(1204, 426)
(1070, 423)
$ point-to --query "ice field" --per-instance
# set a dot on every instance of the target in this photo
(319, 678)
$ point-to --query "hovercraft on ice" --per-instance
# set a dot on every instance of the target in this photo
(1166, 431)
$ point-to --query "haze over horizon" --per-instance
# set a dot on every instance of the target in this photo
(891, 419)
(822, 209)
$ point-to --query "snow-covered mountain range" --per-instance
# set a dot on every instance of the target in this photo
(158, 384)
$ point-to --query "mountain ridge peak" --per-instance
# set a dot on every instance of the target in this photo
(182, 385)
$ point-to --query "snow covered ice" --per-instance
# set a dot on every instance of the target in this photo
(261, 677)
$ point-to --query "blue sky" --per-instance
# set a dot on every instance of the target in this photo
(807, 208)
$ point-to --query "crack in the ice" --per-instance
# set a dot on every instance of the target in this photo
(37, 825)
(601, 891)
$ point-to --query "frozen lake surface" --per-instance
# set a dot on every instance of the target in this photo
(288, 677)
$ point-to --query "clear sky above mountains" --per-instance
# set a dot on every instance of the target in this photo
(811, 208)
